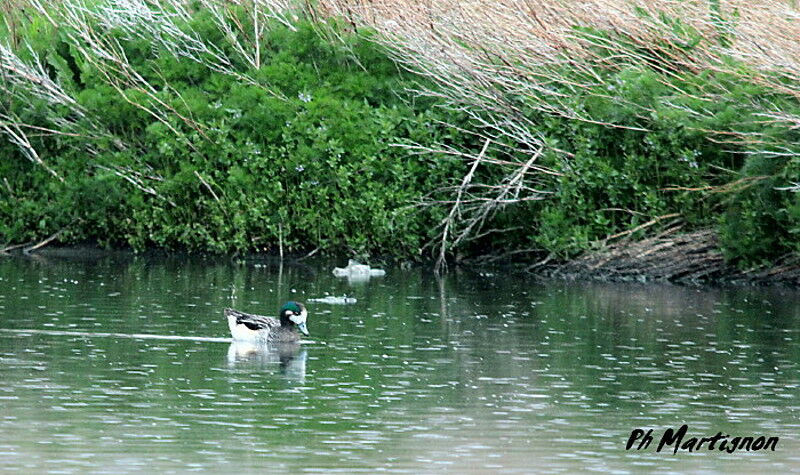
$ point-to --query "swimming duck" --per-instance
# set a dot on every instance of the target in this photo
(258, 328)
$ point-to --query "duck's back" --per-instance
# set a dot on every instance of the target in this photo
(251, 321)
(247, 326)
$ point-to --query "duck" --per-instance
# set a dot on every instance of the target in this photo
(259, 328)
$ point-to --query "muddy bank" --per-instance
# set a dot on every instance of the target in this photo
(682, 258)
(671, 257)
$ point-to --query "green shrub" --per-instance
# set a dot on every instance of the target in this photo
(303, 153)
(312, 166)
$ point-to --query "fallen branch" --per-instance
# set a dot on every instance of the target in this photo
(734, 186)
(6, 249)
(669, 256)
(641, 226)
(45, 242)
(455, 210)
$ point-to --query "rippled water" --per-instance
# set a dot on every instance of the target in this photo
(466, 374)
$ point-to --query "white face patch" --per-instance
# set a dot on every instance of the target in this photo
(299, 319)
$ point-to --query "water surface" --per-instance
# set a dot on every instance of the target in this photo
(471, 373)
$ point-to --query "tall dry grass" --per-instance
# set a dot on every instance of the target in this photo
(459, 37)
(485, 54)
(87, 26)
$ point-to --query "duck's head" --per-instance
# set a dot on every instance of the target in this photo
(294, 313)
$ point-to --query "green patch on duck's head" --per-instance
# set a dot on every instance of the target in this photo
(294, 313)
(293, 307)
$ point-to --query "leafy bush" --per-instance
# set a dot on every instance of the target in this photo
(662, 158)
(299, 151)
(303, 157)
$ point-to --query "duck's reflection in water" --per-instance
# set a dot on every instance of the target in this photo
(290, 358)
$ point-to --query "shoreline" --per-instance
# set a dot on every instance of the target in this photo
(622, 263)
(683, 258)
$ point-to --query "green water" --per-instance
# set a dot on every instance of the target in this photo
(465, 374)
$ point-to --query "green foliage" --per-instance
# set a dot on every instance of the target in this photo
(305, 160)
(662, 157)
(303, 154)
(761, 222)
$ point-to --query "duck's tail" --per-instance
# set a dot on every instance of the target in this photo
(230, 314)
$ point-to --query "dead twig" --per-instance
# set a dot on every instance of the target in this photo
(12, 247)
(441, 262)
(208, 187)
(641, 226)
(45, 242)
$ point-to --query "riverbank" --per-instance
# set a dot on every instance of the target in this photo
(654, 151)
(687, 259)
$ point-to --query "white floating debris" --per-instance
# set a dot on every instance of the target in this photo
(330, 299)
(356, 270)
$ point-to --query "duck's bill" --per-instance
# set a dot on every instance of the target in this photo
(303, 329)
